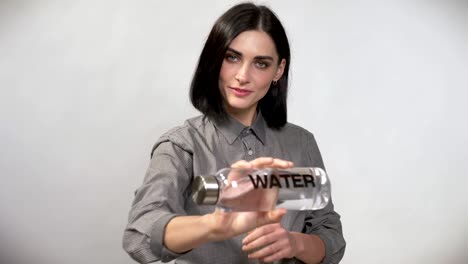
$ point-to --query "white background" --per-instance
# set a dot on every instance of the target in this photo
(88, 86)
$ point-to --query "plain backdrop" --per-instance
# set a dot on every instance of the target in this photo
(88, 86)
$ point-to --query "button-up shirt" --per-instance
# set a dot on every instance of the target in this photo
(201, 147)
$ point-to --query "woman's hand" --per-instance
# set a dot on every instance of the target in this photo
(229, 224)
(270, 243)
(184, 233)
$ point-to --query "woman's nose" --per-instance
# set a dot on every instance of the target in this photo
(242, 75)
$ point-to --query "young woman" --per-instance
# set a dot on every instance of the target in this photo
(240, 86)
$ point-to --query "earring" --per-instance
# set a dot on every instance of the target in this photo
(275, 82)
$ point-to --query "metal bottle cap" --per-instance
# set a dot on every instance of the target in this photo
(205, 190)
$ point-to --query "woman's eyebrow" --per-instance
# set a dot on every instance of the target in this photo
(238, 53)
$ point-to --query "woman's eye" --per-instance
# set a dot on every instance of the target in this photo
(231, 58)
(262, 64)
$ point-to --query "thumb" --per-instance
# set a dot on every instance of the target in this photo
(271, 217)
(277, 214)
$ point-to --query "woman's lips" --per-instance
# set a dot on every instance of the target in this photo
(240, 92)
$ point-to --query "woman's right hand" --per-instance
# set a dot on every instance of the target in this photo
(225, 225)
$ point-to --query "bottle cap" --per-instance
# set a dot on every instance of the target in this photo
(205, 190)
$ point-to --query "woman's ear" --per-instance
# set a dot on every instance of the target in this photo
(280, 70)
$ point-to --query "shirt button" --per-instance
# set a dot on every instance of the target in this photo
(250, 152)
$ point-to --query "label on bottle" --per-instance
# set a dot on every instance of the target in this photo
(282, 180)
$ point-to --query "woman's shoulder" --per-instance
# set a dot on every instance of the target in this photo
(304, 144)
(183, 135)
(187, 128)
(293, 130)
(292, 135)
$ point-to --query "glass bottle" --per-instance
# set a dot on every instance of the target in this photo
(263, 189)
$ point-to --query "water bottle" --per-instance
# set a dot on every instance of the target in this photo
(263, 189)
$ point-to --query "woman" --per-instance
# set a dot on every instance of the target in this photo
(240, 86)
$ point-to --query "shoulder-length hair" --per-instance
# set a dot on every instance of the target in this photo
(205, 94)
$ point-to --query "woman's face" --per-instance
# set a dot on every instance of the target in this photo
(249, 66)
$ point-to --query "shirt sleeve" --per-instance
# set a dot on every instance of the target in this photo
(161, 197)
(326, 222)
(327, 225)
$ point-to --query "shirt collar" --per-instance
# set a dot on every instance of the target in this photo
(232, 129)
(258, 127)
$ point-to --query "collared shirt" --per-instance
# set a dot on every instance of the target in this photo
(200, 147)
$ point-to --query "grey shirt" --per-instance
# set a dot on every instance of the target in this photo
(202, 146)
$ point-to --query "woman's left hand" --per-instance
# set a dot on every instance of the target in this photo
(270, 243)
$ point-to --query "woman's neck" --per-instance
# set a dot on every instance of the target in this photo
(245, 116)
